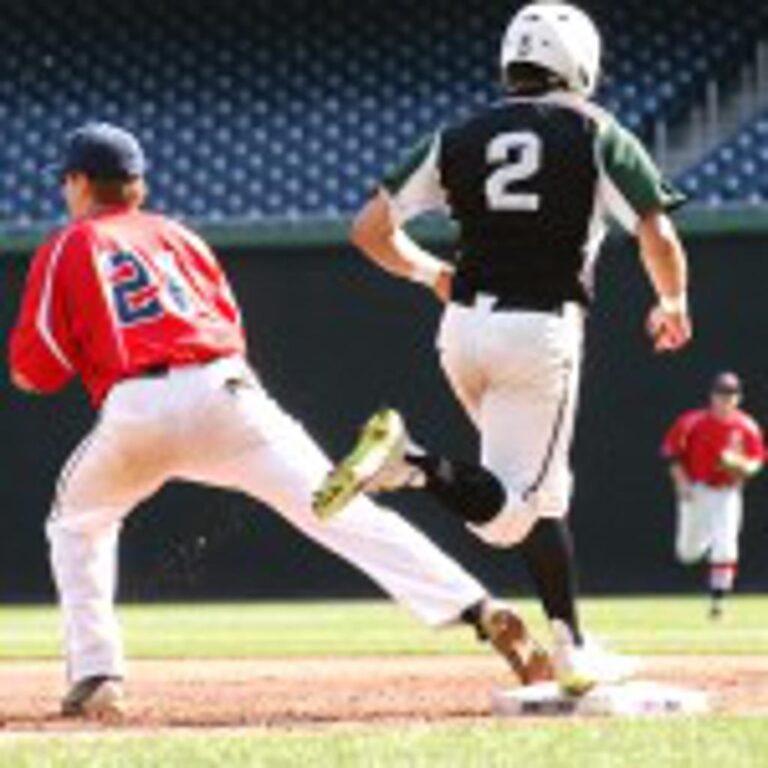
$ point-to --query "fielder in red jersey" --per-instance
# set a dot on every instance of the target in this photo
(699, 439)
(116, 294)
(137, 307)
(712, 453)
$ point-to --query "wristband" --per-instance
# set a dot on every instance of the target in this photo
(425, 268)
(674, 305)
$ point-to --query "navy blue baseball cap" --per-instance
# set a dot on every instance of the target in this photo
(103, 151)
(727, 383)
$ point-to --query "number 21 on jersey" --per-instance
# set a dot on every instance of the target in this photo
(141, 293)
(515, 158)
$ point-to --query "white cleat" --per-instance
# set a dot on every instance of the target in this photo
(580, 668)
(375, 464)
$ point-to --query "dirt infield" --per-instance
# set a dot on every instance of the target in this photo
(301, 692)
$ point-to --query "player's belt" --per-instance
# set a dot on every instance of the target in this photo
(508, 303)
(159, 371)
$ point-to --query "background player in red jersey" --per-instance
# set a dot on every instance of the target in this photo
(712, 453)
(138, 307)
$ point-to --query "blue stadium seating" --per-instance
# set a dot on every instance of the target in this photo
(661, 54)
(256, 109)
(737, 171)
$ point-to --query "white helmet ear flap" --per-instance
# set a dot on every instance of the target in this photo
(557, 37)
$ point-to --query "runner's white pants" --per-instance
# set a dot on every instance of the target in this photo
(517, 375)
(709, 524)
(217, 426)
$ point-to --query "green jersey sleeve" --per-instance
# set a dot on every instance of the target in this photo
(414, 185)
(631, 184)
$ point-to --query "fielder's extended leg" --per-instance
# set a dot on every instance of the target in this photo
(284, 467)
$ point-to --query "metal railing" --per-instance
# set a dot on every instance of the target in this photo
(724, 109)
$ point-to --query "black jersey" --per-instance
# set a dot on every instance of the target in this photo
(531, 183)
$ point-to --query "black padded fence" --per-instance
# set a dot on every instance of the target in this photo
(333, 340)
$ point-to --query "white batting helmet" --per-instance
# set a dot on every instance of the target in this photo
(559, 38)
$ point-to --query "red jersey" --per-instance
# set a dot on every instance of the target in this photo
(117, 293)
(698, 439)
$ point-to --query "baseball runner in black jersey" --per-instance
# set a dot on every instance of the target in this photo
(532, 182)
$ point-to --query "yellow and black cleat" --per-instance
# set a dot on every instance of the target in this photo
(371, 466)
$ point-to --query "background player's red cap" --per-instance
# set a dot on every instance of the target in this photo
(727, 382)
(103, 151)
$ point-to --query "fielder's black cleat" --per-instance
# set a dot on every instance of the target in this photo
(99, 697)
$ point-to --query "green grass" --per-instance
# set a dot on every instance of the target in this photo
(358, 628)
(696, 743)
(643, 625)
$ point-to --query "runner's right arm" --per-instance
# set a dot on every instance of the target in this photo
(409, 190)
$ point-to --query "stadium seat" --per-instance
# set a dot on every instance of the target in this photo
(736, 171)
(252, 110)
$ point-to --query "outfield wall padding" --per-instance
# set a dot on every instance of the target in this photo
(334, 340)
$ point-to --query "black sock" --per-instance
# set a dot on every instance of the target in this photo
(717, 594)
(470, 491)
(473, 617)
(551, 561)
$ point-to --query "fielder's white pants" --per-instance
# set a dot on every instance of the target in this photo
(217, 426)
(517, 376)
(709, 524)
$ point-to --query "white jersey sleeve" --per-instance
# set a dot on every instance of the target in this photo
(414, 186)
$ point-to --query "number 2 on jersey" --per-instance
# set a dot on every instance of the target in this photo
(518, 157)
(137, 297)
